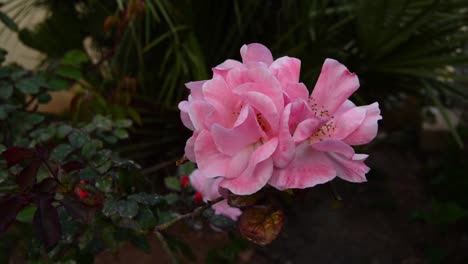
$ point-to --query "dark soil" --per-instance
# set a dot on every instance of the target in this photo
(372, 223)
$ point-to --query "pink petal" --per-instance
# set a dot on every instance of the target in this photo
(223, 68)
(195, 89)
(184, 116)
(239, 162)
(284, 153)
(335, 146)
(305, 129)
(350, 169)
(368, 129)
(348, 104)
(232, 140)
(223, 208)
(198, 111)
(225, 103)
(190, 147)
(256, 53)
(257, 173)
(295, 91)
(309, 168)
(265, 106)
(208, 187)
(209, 160)
(348, 122)
(286, 70)
(334, 86)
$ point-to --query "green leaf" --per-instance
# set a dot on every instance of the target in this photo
(27, 214)
(75, 58)
(102, 123)
(146, 219)
(6, 89)
(124, 123)
(187, 168)
(78, 138)
(171, 198)
(28, 86)
(44, 134)
(57, 84)
(3, 175)
(61, 152)
(63, 131)
(44, 98)
(8, 22)
(110, 208)
(88, 174)
(146, 198)
(90, 148)
(127, 209)
(69, 72)
(172, 183)
(120, 133)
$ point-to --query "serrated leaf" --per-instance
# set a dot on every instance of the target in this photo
(28, 86)
(123, 123)
(78, 138)
(172, 183)
(44, 134)
(102, 123)
(90, 148)
(61, 152)
(127, 209)
(6, 89)
(63, 131)
(120, 133)
(146, 198)
(222, 222)
(146, 219)
(111, 207)
(87, 174)
(261, 224)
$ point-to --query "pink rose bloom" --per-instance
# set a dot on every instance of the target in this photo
(255, 124)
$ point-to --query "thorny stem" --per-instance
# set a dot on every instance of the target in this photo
(158, 229)
(194, 213)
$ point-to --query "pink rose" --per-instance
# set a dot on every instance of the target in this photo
(254, 124)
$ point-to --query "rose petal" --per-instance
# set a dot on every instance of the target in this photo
(209, 160)
(334, 86)
(256, 53)
(368, 128)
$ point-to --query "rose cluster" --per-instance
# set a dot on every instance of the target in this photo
(255, 124)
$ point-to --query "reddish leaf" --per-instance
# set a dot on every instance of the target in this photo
(46, 222)
(261, 225)
(27, 177)
(9, 208)
(73, 166)
(15, 155)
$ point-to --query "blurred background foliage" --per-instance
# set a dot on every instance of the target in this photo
(408, 54)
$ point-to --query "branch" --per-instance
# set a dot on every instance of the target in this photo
(165, 246)
(194, 213)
